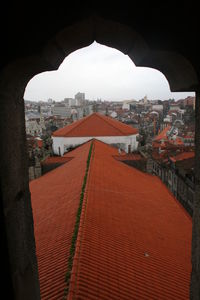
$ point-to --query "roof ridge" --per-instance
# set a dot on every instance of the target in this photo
(106, 120)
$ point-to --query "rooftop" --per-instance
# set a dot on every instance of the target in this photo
(95, 125)
(134, 239)
(130, 156)
(183, 156)
(56, 160)
(55, 199)
(163, 134)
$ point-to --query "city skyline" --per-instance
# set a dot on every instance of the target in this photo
(103, 73)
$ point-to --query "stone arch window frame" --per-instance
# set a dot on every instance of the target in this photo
(17, 211)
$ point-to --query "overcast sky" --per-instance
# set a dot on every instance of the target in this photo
(100, 72)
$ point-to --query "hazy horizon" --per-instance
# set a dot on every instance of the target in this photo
(102, 73)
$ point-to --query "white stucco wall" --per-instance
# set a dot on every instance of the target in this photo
(66, 142)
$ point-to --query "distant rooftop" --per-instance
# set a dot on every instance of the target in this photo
(95, 125)
(183, 156)
(163, 134)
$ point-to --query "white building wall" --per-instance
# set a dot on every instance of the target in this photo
(113, 114)
(126, 106)
(66, 142)
(157, 107)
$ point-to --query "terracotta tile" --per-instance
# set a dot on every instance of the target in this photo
(136, 236)
(95, 125)
(55, 200)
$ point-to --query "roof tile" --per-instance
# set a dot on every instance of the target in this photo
(95, 125)
(134, 231)
(55, 200)
(163, 134)
(183, 156)
(134, 236)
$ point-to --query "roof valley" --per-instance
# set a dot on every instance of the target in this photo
(43, 199)
(74, 271)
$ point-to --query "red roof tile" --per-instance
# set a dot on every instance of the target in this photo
(56, 159)
(183, 156)
(161, 140)
(40, 143)
(134, 242)
(134, 237)
(163, 134)
(95, 125)
(55, 200)
(130, 157)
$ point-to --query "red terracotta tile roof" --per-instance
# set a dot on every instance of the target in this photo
(56, 159)
(178, 141)
(134, 242)
(55, 200)
(183, 156)
(95, 125)
(134, 237)
(161, 140)
(34, 141)
(40, 143)
(163, 134)
(189, 136)
(131, 156)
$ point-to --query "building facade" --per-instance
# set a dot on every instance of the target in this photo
(96, 126)
(61, 110)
